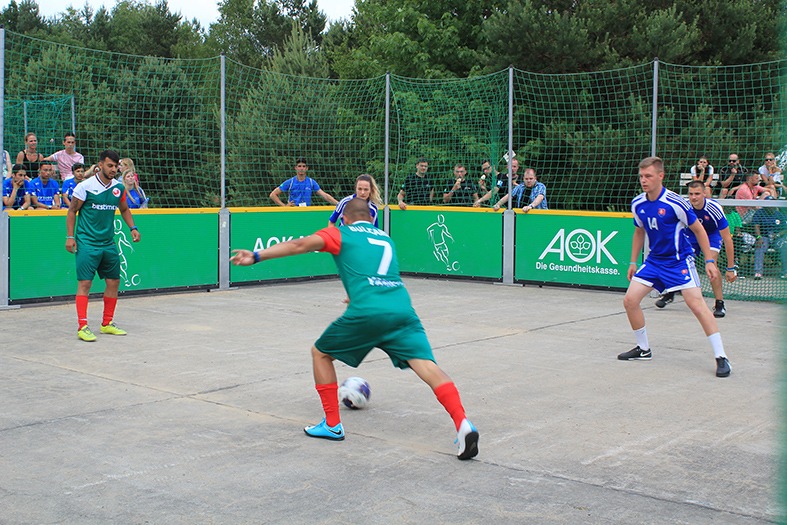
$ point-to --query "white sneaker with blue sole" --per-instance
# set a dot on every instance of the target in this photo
(466, 440)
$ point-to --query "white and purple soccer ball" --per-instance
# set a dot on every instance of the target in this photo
(354, 392)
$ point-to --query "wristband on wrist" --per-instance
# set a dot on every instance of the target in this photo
(134, 228)
(69, 236)
(632, 262)
(708, 261)
(256, 257)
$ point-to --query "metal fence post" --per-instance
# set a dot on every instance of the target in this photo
(509, 217)
(655, 106)
(224, 213)
(387, 209)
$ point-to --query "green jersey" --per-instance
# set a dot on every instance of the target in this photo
(366, 259)
(96, 218)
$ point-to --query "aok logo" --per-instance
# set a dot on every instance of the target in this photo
(580, 246)
(259, 244)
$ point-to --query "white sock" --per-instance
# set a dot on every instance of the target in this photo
(642, 338)
(717, 345)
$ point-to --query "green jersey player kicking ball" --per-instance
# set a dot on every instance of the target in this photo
(379, 315)
(90, 235)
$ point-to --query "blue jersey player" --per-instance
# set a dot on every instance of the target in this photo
(662, 215)
(711, 216)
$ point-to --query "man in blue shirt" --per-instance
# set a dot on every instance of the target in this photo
(711, 215)
(78, 172)
(661, 215)
(16, 190)
(300, 188)
(46, 192)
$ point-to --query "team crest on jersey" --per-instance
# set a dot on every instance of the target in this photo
(662, 212)
(684, 271)
(116, 192)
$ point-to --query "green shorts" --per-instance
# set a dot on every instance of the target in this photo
(401, 336)
(102, 259)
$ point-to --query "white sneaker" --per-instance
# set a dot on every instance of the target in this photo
(466, 440)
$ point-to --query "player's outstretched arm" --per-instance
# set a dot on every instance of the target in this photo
(312, 243)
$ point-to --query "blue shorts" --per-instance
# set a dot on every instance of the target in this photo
(668, 276)
(715, 245)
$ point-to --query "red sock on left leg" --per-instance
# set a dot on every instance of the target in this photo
(329, 396)
(109, 309)
(448, 396)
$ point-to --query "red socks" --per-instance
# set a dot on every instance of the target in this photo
(329, 395)
(109, 309)
(81, 301)
(448, 396)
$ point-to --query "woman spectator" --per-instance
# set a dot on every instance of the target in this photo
(135, 197)
(365, 188)
(30, 156)
(703, 172)
(128, 165)
(6, 165)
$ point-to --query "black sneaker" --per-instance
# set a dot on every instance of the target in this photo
(719, 311)
(665, 299)
(635, 353)
(722, 367)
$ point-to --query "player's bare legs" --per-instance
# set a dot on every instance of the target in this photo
(322, 367)
(631, 302)
(429, 372)
(327, 388)
(448, 396)
(696, 303)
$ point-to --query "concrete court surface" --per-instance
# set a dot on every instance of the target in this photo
(196, 416)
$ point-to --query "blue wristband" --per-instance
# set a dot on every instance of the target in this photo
(708, 261)
(256, 256)
(134, 228)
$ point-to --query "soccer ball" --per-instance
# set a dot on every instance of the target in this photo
(354, 392)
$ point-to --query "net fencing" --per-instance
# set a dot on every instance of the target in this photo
(759, 237)
(583, 133)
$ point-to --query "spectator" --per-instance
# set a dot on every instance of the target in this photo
(300, 188)
(486, 174)
(501, 184)
(127, 164)
(135, 197)
(703, 172)
(771, 175)
(770, 229)
(530, 195)
(78, 170)
(45, 190)
(67, 157)
(748, 191)
(417, 187)
(732, 176)
(459, 190)
(30, 156)
(366, 189)
(16, 189)
(711, 215)
(6, 165)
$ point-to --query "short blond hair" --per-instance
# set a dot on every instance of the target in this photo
(656, 162)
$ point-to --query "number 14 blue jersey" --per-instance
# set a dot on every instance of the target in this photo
(664, 221)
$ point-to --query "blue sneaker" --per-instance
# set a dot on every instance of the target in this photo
(466, 440)
(322, 430)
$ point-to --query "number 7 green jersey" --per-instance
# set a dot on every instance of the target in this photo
(366, 259)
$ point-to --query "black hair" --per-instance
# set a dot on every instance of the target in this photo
(109, 154)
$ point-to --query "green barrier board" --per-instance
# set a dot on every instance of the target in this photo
(176, 250)
(262, 229)
(447, 241)
(573, 249)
